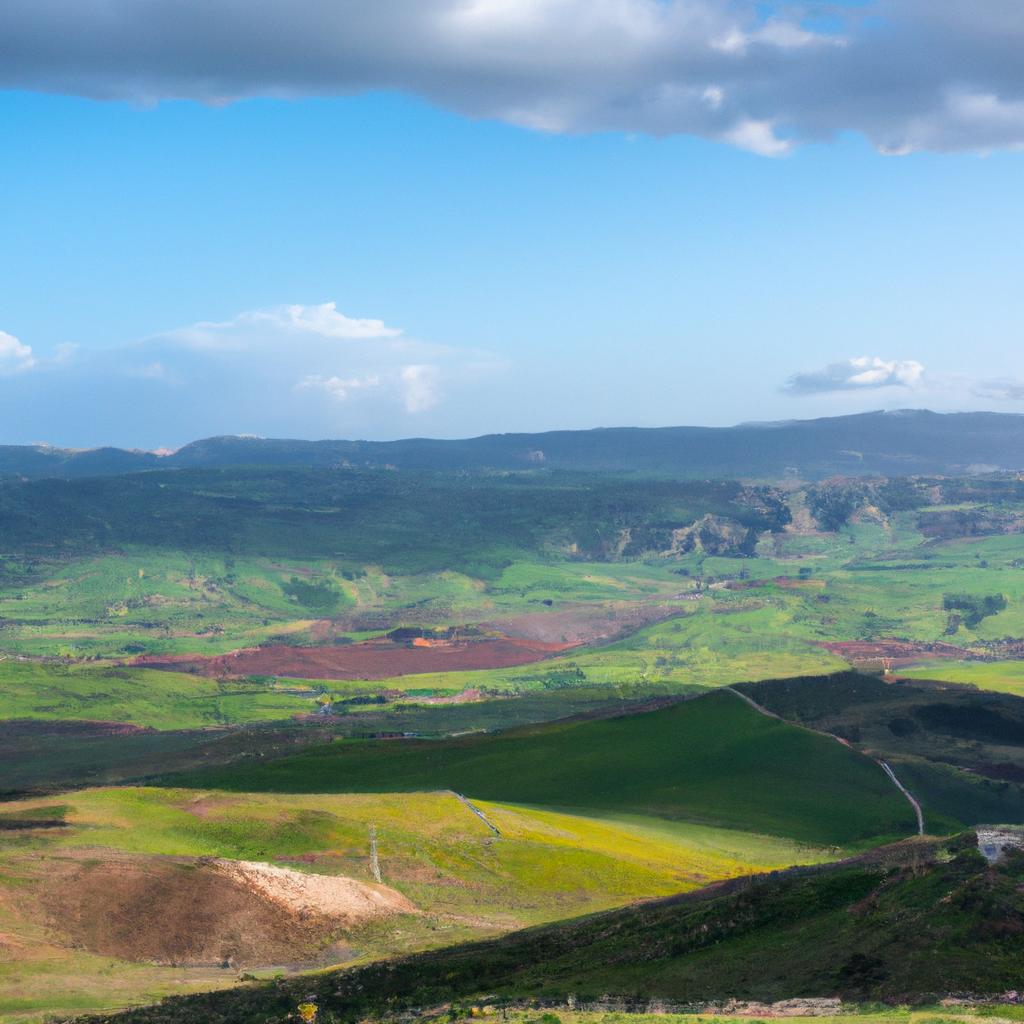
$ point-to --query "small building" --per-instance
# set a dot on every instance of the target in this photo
(995, 840)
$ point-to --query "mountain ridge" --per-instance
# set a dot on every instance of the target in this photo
(901, 442)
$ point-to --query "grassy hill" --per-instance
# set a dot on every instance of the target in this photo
(72, 915)
(907, 925)
(959, 750)
(713, 760)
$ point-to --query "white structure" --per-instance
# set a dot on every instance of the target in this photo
(993, 841)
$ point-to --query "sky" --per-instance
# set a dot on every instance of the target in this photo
(345, 218)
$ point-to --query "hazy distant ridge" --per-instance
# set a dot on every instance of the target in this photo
(888, 443)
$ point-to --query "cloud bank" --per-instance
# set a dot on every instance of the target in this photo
(298, 370)
(864, 373)
(910, 75)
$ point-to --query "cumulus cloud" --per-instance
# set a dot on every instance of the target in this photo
(864, 373)
(909, 74)
(307, 370)
(14, 356)
(323, 319)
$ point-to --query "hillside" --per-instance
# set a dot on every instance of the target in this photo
(907, 924)
(117, 896)
(712, 760)
(960, 750)
(905, 442)
(408, 522)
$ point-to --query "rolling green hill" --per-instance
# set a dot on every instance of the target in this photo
(959, 750)
(463, 881)
(712, 760)
(910, 924)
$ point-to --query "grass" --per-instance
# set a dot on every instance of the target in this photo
(712, 760)
(905, 928)
(44, 756)
(141, 697)
(959, 750)
(547, 865)
(851, 1013)
(997, 676)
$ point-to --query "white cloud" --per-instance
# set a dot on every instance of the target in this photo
(863, 373)
(15, 357)
(758, 137)
(420, 385)
(324, 320)
(908, 74)
(295, 370)
(339, 387)
(321, 320)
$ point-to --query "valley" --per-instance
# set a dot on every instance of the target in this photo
(282, 722)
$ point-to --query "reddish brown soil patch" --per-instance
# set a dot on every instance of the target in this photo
(374, 659)
(205, 912)
(898, 652)
(586, 624)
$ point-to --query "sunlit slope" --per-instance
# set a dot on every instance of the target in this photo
(908, 925)
(432, 846)
(712, 760)
(463, 880)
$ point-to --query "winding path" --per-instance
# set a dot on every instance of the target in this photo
(480, 814)
(761, 709)
(906, 792)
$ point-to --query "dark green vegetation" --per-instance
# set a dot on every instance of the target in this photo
(407, 523)
(907, 924)
(959, 751)
(38, 757)
(974, 607)
(902, 442)
(712, 760)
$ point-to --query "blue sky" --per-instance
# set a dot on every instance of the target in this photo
(516, 279)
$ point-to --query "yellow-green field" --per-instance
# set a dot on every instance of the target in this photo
(998, 676)
(465, 881)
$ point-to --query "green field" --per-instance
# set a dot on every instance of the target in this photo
(959, 750)
(143, 697)
(712, 760)
(997, 676)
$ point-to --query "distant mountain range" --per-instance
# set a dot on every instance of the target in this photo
(875, 443)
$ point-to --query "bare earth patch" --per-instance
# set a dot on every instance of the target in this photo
(203, 911)
(897, 652)
(374, 659)
(344, 899)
